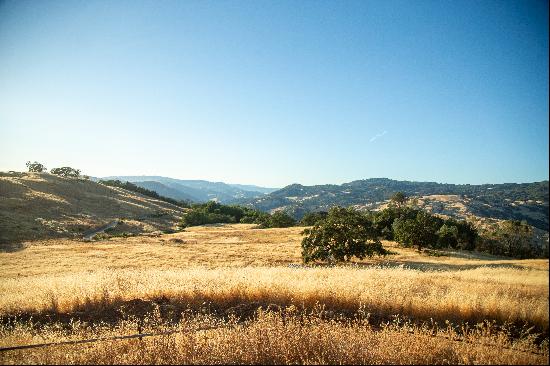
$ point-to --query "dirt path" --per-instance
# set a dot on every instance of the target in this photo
(90, 234)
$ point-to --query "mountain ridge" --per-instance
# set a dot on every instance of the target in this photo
(196, 190)
(523, 201)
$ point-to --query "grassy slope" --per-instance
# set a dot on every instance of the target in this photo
(39, 205)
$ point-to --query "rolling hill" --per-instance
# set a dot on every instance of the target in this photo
(196, 190)
(525, 201)
(41, 205)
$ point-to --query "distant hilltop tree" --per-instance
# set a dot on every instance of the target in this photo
(398, 199)
(35, 167)
(66, 172)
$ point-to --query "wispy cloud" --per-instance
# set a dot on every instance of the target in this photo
(377, 136)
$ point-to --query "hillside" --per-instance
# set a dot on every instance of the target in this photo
(526, 201)
(164, 190)
(196, 190)
(40, 205)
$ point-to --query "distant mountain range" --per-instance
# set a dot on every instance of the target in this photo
(525, 201)
(196, 190)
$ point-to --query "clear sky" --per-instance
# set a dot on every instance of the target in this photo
(276, 92)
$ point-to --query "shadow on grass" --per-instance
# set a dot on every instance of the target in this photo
(419, 265)
(11, 247)
(430, 266)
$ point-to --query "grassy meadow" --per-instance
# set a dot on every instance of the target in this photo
(407, 307)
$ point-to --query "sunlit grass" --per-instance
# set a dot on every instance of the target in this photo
(215, 269)
(286, 337)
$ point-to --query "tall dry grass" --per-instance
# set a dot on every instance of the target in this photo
(234, 269)
(501, 294)
(288, 337)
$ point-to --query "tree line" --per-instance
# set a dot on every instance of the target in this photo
(343, 233)
(144, 191)
(65, 171)
(213, 212)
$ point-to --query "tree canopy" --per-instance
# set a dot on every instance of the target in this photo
(66, 171)
(35, 167)
(344, 234)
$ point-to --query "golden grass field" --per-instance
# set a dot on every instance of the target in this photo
(389, 309)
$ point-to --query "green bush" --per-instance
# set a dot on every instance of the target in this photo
(254, 217)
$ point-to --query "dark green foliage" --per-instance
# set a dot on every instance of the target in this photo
(252, 216)
(66, 171)
(466, 233)
(278, 219)
(487, 200)
(345, 233)
(420, 231)
(513, 239)
(398, 199)
(201, 217)
(455, 234)
(447, 236)
(312, 218)
(209, 213)
(383, 220)
(144, 191)
(35, 167)
(215, 213)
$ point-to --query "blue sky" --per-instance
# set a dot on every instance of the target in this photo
(275, 92)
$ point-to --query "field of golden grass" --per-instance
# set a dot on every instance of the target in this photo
(455, 307)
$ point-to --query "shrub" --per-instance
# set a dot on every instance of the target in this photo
(214, 213)
(383, 220)
(196, 217)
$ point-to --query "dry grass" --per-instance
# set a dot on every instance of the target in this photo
(286, 337)
(40, 205)
(239, 245)
(216, 269)
(505, 295)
